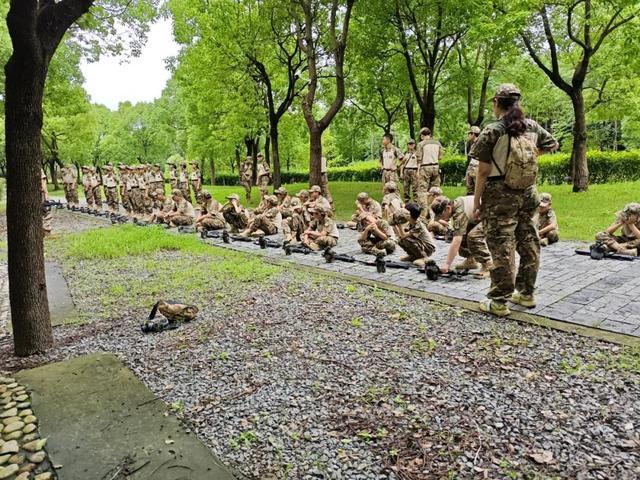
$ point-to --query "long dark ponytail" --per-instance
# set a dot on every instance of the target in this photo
(513, 118)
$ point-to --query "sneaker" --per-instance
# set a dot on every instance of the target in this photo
(406, 258)
(544, 242)
(485, 271)
(314, 246)
(420, 262)
(492, 306)
(632, 252)
(525, 300)
(469, 264)
(258, 233)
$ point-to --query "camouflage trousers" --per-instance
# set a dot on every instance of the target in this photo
(196, 190)
(112, 198)
(416, 248)
(97, 197)
(47, 219)
(266, 224)
(470, 179)
(71, 193)
(616, 243)
(126, 202)
(135, 200)
(247, 189)
(389, 176)
(237, 221)
(552, 237)
(182, 220)
(474, 244)
(322, 243)
(293, 227)
(184, 188)
(507, 217)
(428, 176)
(436, 228)
(410, 183)
(214, 223)
(324, 187)
(88, 195)
(373, 247)
(263, 184)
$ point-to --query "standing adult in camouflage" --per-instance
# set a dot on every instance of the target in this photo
(322, 232)
(183, 181)
(324, 181)
(133, 192)
(95, 187)
(409, 169)
(70, 185)
(547, 222)
(183, 213)
(157, 179)
(196, 180)
(173, 174)
(506, 199)
(628, 222)
(389, 157)
(246, 172)
(376, 236)
(412, 234)
(111, 189)
(428, 158)
(145, 202)
(472, 163)
(264, 175)
(47, 212)
(210, 217)
(468, 235)
(124, 193)
(87, 188)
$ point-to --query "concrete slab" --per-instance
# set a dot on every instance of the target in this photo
(102, 422)
(61, 306)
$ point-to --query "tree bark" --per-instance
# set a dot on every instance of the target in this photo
(315, 156)
(580, 169)
(212, 169)
(428, 114)
(275, 154)
(411, 118)
(26, 72)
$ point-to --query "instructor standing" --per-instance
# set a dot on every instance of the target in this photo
(506, 199)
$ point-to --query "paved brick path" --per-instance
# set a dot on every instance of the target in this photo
(599, 294)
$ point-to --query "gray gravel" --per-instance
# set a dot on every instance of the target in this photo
(310, 377)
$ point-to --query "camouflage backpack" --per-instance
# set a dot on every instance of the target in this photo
(521, 161)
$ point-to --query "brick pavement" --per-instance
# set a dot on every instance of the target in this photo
(571, 288)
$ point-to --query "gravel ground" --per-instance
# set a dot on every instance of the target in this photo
(310, 377)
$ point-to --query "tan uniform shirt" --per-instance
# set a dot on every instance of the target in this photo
(109, 180)
(389, 157)
(410, 160)
(462, 215)
(68, 175)
(183, 207)
(429, 152)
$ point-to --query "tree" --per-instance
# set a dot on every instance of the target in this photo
(36, 29)
(324, 51)
(578, 28)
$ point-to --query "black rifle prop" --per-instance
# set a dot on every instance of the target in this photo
(212, 233)
(433, 272)
(380, 263)
(140, 223)
(52, 203)
(598, 251)
(289, 249)
(186, 229)
(447, 237)
(265, 242)
(118, 219)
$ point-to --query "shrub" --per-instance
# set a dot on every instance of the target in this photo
(604, 167)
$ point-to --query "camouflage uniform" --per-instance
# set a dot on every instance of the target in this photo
(294, 226)
(372, 244)
(326, 225)
(324, 181)
(626, 243)
(238, 219)
(284, 202)
(417, 241)
(211, 217)
(263, 177)
(183, 181)
(124, 194)
(185, 213)
(157, 180)
(47, 212)
(364, 205)
(111, 189)
(545, 219)
(270, 221)
(474, 243)
(133, 191)
(245, 177)
(389, 157)
(95, 187)
(428, 157)
(87, 188)
(196, 182)
(472, 165)
(173, 175)
(507, 216)
(410, 176)
(70, 183)
(391, 202)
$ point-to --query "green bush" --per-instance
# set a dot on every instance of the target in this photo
(604, 167)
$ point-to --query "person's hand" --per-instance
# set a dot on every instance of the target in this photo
(445, 267)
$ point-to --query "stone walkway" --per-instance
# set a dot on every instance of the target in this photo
(602, 295)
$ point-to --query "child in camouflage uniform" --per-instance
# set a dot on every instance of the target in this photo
(628, 222)
(547, 222)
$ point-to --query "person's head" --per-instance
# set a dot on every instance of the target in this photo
(184, 165)
(195, 165)
(233, 198)
(545, 202)
(315, 192)
(122, 167)
(368, 219)
(631, 212)
(411, 144)
(296, 204)
(387, 139)
(390, 187)
(473, 133)
(206, 196)
(108, 168)
(303, 195)
(433, 193)
(272, 200)
(414, 210)
(281, 192)
(318, 212)
(171, 164)
(442, 207)
(176, 195)
(506, 106)
(260, 157)
(156, 167)
(160, 196)
(425, 132)
(363, 198)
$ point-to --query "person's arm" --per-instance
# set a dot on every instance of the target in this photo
(614, 227)
(631, 223)
(484, 170)
(377, 232)
(454, 248)
(365, 233)
(399, 231)
(547, 229)
(440, 153)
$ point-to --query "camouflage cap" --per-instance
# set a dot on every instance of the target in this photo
(130, 167)
(631, 209)
(233, 196)
(295, 202)
(391, 186)
(435, 191)
(475, 130)
(425, 131)
(508, 90)
(177, 192)
(156, 165)
(545, 199)
(303, 193)
(316, 189)
(411, 142)
(121, 166)
(280, 191)
(170, 162)
(363, 197)
(85, 167)
(108, 167)
(260, 155)
(195, 164)
(400, 217)
(206, 194)
(272, 199)
(439, 205)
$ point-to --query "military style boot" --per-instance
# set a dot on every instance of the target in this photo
(468, 264)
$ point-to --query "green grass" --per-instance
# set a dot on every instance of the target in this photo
(580, 215)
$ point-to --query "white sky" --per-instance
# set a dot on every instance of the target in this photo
(142, 79)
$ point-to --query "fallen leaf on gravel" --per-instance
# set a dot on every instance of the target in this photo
(545, 457)
(630, 444)
(169, 442)
(628, 426)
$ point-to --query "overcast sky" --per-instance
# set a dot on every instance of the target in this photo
(110, 82)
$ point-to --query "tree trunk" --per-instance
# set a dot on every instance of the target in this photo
(411, 119)
(315, 156)
(275, 155)
(237, 162)
(25, 78)
(212, 167)
(428, 115)
(580, 169)
(267, 153)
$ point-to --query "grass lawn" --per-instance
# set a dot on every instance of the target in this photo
(580, 215)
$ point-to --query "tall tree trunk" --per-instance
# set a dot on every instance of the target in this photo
(212, 167)
(428, 115)
(267, 152)
(275, 154)
(25, 77)
(255, 147)
(580, 169)
(411, 119)
(237, 164)
(315, 156)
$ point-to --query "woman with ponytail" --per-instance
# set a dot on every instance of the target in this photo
(506, 199)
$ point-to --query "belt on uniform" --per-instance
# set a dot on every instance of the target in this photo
(495, 179)
(429, 165)
(389, 169)
(410, 168)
